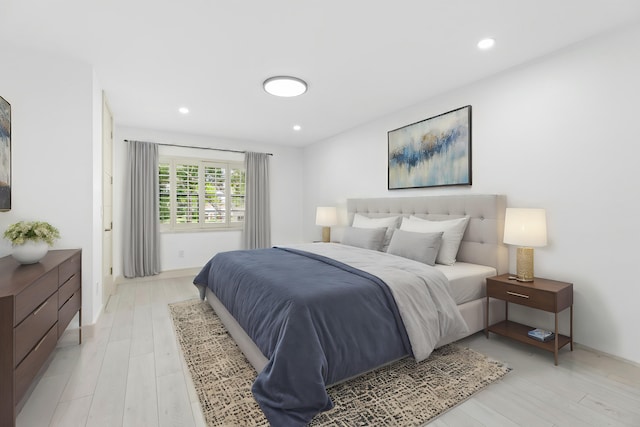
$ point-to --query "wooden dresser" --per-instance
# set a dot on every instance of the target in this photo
(37, 302)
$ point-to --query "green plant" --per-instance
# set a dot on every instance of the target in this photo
(36, 231)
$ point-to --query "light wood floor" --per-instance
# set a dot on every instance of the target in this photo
(131, 373)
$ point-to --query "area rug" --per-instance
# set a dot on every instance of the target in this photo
(404, 393)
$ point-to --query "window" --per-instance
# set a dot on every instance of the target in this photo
(200, 194)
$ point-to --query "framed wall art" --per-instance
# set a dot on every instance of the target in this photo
(431, 153)
(5, 155)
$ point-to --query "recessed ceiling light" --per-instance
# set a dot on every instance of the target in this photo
(285, 86)
(486, 43)
(297, 127)
(183, 110)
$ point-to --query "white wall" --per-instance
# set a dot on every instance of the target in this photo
(197, 247)
(560, 134)
(52, 152)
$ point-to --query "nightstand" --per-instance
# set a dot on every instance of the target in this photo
(542, 294)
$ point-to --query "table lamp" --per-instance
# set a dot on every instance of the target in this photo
(326, 217)
(525, 228)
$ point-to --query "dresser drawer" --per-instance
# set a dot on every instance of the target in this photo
(30, 366)
(69, 268)
(67, 311)
(35, 294)
(68, 288)
(34, 326)
(522, 295)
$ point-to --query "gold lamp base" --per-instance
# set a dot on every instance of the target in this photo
(326, 234)
(524, 265)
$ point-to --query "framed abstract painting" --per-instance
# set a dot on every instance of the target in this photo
(433, 152)
(5, 155)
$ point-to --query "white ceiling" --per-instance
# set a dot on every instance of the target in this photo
(362, 59)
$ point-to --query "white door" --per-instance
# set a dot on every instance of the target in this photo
(107, 201)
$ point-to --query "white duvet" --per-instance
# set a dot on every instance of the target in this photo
(421, 292)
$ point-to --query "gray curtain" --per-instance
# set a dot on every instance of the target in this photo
(257, 218)
(141, 223)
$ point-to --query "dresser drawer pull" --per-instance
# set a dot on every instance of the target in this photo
(515, 294)
(39, 344)
(37, 310)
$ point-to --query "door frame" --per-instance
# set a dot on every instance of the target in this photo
(107, 201)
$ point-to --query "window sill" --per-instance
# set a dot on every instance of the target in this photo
(199, 230)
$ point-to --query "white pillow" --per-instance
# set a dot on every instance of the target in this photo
(361, 221)
(390, 223)
(452, 229)
(422, 247)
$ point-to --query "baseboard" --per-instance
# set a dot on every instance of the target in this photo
(169, 274)
(604, 353)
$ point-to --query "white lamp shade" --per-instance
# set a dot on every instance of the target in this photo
(326, 216)
(525, 227)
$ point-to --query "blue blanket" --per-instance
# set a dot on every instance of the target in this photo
(316, 320)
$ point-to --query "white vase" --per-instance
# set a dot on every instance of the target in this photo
(30, 252)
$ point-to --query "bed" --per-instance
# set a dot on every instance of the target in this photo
(291, 384)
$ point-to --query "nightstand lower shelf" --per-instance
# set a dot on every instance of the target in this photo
(518, 332)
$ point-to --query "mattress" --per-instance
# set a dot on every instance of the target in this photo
(466, 281)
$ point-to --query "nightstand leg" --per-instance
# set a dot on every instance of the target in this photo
(555, 344)
(486, 319)
(571, 326)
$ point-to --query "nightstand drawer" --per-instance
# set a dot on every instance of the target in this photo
(522, 295)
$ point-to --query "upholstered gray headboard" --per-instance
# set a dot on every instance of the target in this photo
(482, 241)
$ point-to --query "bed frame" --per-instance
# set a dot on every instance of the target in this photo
(481, 244)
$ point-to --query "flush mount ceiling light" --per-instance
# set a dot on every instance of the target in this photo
(183, 110)
(285, 86)
(297, 127)
(485, 44)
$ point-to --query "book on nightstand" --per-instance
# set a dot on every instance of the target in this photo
(541, 335)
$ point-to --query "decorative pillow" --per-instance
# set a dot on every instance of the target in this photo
(452, 229)
(367, 238)
(422, 247)
(361, 221)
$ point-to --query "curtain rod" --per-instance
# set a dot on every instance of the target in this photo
(201, 148)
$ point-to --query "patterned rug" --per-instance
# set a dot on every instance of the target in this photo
(404, 393)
